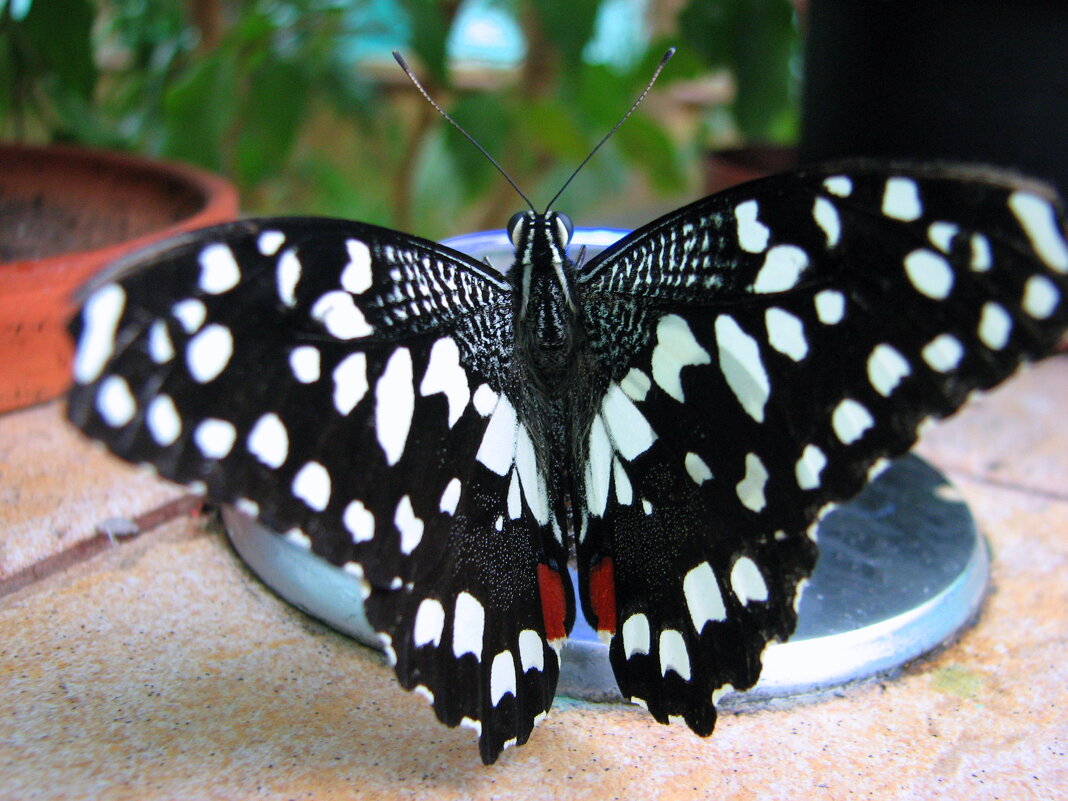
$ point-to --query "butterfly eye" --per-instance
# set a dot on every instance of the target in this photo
(564, 227)
(516, 226)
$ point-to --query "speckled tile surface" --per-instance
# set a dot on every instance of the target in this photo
(55, 488)
(162, 669)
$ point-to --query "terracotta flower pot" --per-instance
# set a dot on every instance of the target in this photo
(64, 214)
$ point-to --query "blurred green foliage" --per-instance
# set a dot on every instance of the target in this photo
(268, 93)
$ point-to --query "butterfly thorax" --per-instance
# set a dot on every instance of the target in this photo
(548, 331)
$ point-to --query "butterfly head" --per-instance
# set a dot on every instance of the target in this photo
(556, 225)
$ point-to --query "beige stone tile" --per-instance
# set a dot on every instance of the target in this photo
(1015, 435)
(163, 670)
(55, 487)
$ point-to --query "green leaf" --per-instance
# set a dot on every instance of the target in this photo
(765, 46)
(485, 117)
(272, 114)
(568, 25)
(198, 110)
(550, 124)
(59, 32)
(757, 40)
(430, 22)
(645, 144)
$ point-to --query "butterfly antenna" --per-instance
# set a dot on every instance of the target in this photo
(411, 76)
(656, 74)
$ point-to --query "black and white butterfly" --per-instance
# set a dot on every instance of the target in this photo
(677, 413)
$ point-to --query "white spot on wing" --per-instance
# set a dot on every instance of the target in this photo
(781, 270)
(469, 619)
(1039, 222)
(941, 234)
(218, 270)
(598, 468)
(673, 654)
(624, 491)
(675, 348)
(752, 234)
(850, 420)
(269, 241)
(943, 353)
(444, 374)
(160, 346)
(1040, 297)
(340, 315)
(350, 382)
(746, 581)
(502, 677)
(830, 306)
(636, 635)
(115, 402)
(530, 479)
(429, 623)
(450, 497)
(312, 485)
(287, 276)
(484, 400)
(515, 501)
(360, 521)
(839, 185)
(886, 368)
(929, 273)
(826, 216)
(809, 466)
(409, 526)
(901, 199)
(739, 359)
(697, 468)
(215, 438)
(786, 333)
(703, 597)
(497, 448)
(190, 314)
(394, 405)
(982, 258)
(304, 361)
(101, 315)
(268, 440)
(531, 650)
(208, 353)
(750, 489)
(163, 421)
(995, 325)
(635, 384)
(627, 427)
(356, 277)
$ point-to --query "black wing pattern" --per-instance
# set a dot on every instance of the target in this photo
(766, 350)
(350, 386)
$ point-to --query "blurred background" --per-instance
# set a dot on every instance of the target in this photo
(299, 103)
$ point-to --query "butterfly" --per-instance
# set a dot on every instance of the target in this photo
(676, 414)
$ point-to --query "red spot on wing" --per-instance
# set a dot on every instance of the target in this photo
(603, 594)
(553, 604)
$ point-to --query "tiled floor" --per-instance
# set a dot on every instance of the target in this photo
(160, 668)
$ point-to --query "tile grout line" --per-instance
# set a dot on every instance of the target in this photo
(1039, 492)
(107, 533)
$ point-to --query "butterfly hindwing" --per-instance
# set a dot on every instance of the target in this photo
(782, 341)
(349, 386)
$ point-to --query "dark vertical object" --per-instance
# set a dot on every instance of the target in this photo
(981, 81)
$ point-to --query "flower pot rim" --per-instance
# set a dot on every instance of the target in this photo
(220, 203)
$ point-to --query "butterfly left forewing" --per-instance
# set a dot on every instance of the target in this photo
(781, 341)
(349, 387)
